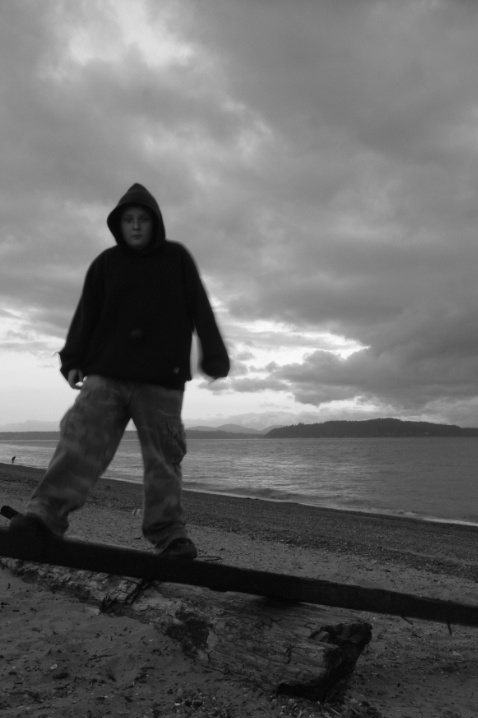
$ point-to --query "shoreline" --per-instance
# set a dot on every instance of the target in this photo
(381, 513)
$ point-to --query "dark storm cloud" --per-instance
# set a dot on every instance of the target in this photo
(320, 163)
(381, 118)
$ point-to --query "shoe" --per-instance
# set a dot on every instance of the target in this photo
(30, 524)
(180, 548)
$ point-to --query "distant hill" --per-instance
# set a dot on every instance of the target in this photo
(212, 433)
(227, 428)
(238, 429)
(29, 435)
(204, 432)
(27, 427)
(369, 428)
(226, 431)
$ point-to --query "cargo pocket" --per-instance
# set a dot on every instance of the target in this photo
(175, 441)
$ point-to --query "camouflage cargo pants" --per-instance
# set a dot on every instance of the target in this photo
(90, 434)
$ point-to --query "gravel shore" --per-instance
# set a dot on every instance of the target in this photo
(411, 669)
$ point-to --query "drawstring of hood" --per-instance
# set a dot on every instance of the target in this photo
(137, 195)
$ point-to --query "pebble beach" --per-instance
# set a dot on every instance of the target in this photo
(411, 669)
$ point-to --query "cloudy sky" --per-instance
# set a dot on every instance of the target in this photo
(318, 157)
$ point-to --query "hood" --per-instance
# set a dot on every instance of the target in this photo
(137, 194)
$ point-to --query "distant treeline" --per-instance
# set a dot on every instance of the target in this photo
(369, 428)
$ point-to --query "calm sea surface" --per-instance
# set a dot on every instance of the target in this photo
(429, 478)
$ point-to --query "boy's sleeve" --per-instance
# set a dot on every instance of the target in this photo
(214, 359)
(84, 320)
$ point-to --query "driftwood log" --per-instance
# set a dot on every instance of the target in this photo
(282, 646)
(146, 565)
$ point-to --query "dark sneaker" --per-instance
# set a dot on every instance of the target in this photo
(33, 525)
(180, 548)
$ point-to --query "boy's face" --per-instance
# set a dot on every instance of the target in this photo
(137, 226)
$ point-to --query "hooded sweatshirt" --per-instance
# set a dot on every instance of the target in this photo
(139, 308)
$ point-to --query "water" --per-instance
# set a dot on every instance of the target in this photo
(432, 478)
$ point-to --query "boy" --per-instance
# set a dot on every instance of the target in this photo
(128, 352)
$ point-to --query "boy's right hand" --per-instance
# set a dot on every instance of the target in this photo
(75, 378)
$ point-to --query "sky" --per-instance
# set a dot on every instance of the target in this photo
(319, 158)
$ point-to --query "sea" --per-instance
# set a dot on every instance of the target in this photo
(433, 479)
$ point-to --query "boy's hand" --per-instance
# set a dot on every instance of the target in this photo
(75, 378)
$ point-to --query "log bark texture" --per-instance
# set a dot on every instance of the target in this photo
(283, 646)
